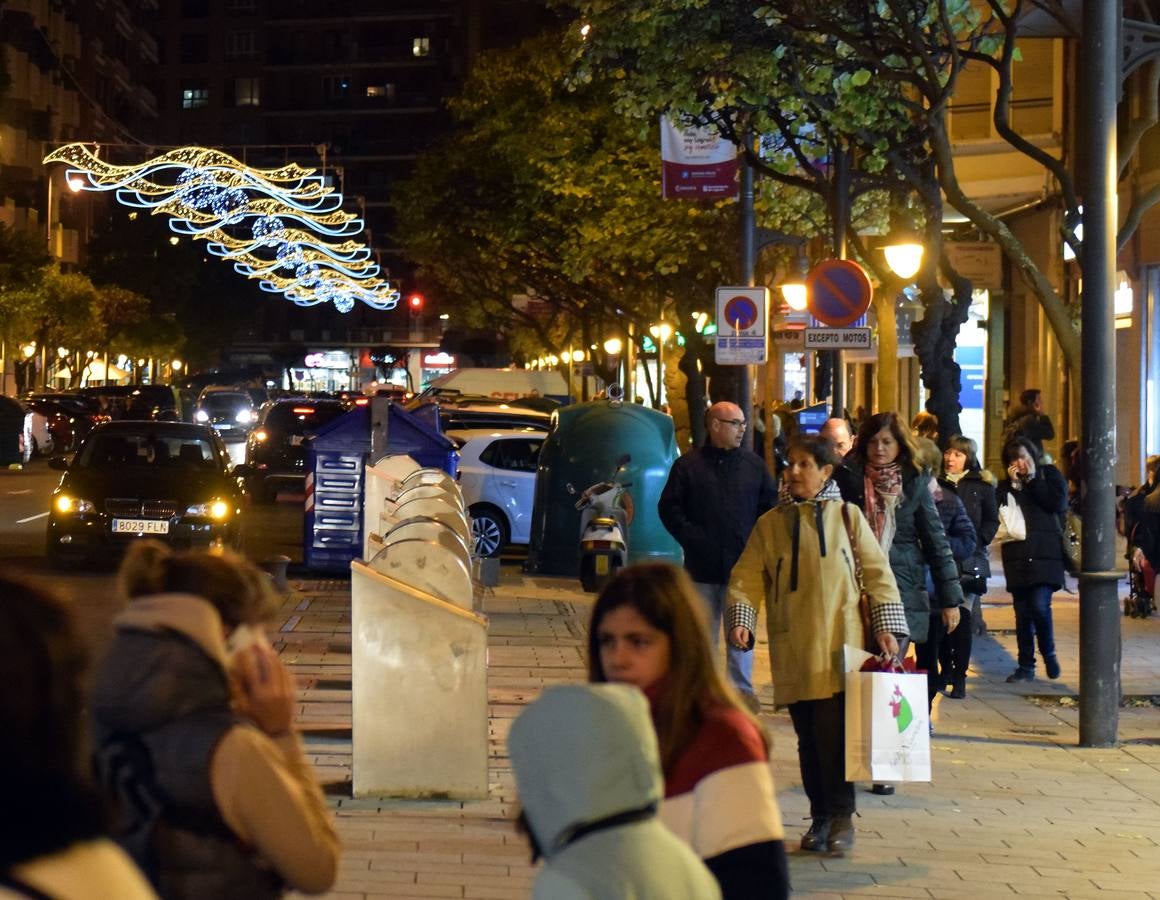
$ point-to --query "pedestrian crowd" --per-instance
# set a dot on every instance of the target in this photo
(654, 779)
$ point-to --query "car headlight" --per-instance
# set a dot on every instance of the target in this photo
(70, 505)
(201, 415)
(260, 435)
(243, 417)
(214, 509)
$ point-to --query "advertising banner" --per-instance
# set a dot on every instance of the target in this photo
(696, 163)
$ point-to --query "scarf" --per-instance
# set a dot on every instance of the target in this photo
(829, 491)
(954, 477)
(883, 490)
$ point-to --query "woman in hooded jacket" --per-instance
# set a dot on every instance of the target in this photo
(587, 768)
(193, 708)
(975, 486)
(719, 796)
(799, 566)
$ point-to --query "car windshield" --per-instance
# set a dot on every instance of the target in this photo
(119, 450)
(224, 403)
(302, 417)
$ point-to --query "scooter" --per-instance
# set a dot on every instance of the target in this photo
(606, 511)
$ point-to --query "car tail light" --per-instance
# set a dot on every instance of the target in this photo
(303, 410)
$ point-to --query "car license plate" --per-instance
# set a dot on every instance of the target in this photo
(602, 565)
(140, 526)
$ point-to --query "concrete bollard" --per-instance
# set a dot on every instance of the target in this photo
(275, 567)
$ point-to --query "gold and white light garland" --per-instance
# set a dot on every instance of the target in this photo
(283, 227)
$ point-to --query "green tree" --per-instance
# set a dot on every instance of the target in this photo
(545, 192)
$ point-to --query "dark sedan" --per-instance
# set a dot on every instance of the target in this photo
(276, 448)
(167, 480)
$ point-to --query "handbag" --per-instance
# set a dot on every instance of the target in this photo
(1012, 525)
(863, 596)
(887, 726)
(1071, 539)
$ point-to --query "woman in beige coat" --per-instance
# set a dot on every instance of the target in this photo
(799, 566)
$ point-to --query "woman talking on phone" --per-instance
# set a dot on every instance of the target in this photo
(1034, 566)
(193, 735)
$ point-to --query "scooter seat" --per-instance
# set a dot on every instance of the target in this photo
(603, 522)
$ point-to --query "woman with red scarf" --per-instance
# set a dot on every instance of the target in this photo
(882, 475)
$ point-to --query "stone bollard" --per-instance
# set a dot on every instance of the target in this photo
(275, 567)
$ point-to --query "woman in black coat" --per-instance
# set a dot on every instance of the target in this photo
(963, 476)
(882, 476)
(1034, 567)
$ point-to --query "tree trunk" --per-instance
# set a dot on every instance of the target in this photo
(694, 390)
(887, 349)
(934, 344)
(677, 390)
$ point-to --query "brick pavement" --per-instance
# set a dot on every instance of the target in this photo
(1015, 806)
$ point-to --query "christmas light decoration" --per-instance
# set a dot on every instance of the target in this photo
(276, 225)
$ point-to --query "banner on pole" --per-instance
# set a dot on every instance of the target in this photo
(696, 163)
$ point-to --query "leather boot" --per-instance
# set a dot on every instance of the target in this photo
(959, 690)
(817, 838)
(841, 835)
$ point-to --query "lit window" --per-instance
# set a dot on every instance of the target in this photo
(382, 91)
(247, 92)
(194, 97)
(420, 46)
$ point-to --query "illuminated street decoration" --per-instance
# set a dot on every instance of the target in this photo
(277, 226)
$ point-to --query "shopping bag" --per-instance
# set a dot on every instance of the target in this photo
(887, 727)
(1012, 527)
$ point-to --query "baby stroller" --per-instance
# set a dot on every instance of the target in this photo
(1141, 600)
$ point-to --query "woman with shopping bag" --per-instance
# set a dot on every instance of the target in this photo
(799, 566)
(1034, 565)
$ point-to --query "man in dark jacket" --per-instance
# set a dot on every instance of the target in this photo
(714, 495)
(1029, 421)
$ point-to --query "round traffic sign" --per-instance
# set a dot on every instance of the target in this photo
(741, 312)
(839, 292)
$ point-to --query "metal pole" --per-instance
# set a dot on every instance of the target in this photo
(840, 213)
(748, 270)
(48, 216)
(1099, 612)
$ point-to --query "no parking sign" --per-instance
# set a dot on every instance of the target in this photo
(742, 320)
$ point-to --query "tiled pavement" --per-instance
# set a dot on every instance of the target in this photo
(1015, 807)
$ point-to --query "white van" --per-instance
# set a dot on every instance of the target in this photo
(502, 384)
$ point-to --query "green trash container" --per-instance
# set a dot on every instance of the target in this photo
(582, 450)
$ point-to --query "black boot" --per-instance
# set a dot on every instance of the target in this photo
(841, 835)
(818, 837)
(959, 690)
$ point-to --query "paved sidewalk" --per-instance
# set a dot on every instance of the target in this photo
(1015, 806)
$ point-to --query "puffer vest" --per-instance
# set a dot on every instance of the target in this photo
(153, 760)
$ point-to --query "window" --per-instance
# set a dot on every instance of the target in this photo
(241, 45)
(247, 92)
(194, 96)
(518, 455)
(336, 87)
(421, 46)
(194, 48)
(382, 91)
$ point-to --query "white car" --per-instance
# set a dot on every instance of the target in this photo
(40, 442)
(497, 475)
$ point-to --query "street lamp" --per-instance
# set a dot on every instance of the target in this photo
(793, 289)
(903, 251)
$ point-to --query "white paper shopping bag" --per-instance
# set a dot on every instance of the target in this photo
(887, 727)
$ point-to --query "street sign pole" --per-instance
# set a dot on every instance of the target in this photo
(840, 212)
(748, 270)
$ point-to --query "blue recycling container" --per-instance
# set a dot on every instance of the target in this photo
(336, 458)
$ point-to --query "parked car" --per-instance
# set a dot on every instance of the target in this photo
(167, 480)
(452, 414)
(497, 475)
(275, 449)
(228, 410)
(136, 401)
(40, 433)
(69, 420)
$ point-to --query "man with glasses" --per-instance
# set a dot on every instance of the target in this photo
(714, 495)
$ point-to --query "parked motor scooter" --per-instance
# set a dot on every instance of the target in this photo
(606, 512)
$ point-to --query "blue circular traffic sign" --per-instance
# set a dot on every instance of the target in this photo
(741, 313)
(839, 292)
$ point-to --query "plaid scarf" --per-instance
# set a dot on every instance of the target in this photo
(883, 489)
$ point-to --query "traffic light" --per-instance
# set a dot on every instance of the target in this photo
(415, 305)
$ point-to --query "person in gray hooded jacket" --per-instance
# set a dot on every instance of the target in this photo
(588, 771)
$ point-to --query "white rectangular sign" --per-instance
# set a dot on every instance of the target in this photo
(838, 339)
(742, 325)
